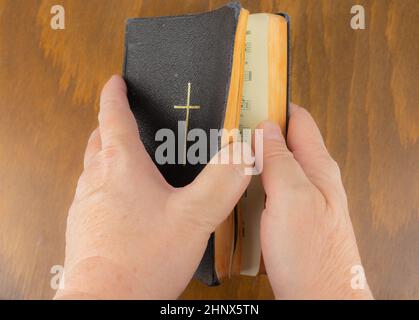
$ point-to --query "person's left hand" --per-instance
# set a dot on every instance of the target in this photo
(130, 235)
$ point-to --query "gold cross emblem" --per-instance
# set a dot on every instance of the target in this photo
(187, 107)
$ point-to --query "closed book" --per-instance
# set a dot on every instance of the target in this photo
(192, 72)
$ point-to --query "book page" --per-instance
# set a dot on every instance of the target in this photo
(254, 110)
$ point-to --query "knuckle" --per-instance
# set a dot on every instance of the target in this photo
(275, 150)
(304, 195)
(298, 194)
(109, 155)
(111, 102)
(334, 169)
(121, 142)
(89, 184)
(329, 167)
(97, 174)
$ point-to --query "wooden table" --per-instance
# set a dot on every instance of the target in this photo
(362, 87)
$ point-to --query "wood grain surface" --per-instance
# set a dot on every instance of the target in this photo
(362, 87)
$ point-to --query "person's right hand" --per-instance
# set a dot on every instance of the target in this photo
(308, 243)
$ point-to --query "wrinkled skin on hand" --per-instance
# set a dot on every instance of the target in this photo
(308, 243)
(130, 234)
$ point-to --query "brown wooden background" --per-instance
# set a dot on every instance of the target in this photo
(361, 86)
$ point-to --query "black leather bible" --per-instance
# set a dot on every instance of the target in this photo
(186, 72)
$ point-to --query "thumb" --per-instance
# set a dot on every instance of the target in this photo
(119, 129)
(283, 178)
(217, 189)
(117, 124)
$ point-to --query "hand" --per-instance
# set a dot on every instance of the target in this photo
(308, 243)
(130, 235)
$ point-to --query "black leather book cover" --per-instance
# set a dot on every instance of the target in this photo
(173, 62)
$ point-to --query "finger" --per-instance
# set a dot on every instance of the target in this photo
(117, 123)
(218, 187)
(283, 179)
(94, 145)
(118, 126)
(306, 143)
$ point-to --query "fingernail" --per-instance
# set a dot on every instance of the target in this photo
(271, 131)
(115, 77)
